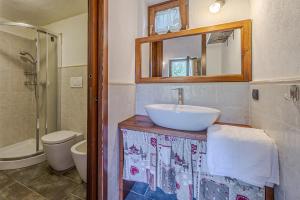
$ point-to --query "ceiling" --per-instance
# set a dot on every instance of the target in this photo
(41, 12)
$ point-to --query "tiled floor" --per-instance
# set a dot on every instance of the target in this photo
(38, 183)
(141, 191)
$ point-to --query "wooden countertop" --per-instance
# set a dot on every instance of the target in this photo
(144, 124)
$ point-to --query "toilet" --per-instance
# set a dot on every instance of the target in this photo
(57, 147)
(79, 153)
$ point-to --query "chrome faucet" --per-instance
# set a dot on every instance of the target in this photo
(180, 95)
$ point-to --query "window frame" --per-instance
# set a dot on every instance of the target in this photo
(153, 9)
(171, 61)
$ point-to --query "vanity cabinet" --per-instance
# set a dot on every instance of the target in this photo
(143, 125)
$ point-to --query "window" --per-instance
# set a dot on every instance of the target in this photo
(167, 20)
(168, 16)
(189, 66)
(179, 67)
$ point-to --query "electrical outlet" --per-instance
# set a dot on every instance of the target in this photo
(255, 94)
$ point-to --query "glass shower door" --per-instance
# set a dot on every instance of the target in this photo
(29, 90)
(48, 85)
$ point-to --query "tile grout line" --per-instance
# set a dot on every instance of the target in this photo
(143, 195)
(76, 196)
(30, 189)
(71, 179)
(75, 189)
(41, 194)
(147, 190)
(13, 182)
(131, 191)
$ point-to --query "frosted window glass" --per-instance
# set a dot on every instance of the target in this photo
(168, 20)
(179, 68)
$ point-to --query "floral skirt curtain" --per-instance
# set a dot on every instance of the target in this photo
(178, 166)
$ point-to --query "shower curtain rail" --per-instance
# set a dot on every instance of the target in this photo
(25, 25)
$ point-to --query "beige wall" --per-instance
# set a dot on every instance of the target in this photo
(121, 106)
(276, 39)
(17, 103)
(74, 39)
(122, 31)
(276, 47)
(73, 100)
(233, 10)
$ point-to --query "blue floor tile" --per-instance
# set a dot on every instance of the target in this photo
(140, 188)
(134, 196)
(159, 194)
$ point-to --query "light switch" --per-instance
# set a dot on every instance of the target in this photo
(76, 82)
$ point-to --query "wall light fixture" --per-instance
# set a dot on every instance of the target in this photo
(216, 6)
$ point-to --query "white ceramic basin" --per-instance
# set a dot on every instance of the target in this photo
(182, 117)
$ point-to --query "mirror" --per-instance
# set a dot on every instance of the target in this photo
(223, 53)
(196, 55)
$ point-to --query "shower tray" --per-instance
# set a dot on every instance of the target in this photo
(20, 155)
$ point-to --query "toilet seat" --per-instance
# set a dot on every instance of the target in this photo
(58, 137)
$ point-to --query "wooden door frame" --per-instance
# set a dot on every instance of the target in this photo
(97, 137)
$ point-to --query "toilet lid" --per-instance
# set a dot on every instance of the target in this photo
(58, 137)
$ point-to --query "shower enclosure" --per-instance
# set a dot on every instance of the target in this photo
(29, 92)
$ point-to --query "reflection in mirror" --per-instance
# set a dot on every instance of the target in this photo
(146, 60)
(184, 67)
(174, 57)
(223, 52)
(216, 53)
(181, 56)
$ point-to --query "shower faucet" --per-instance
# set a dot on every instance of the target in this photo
(180, 96)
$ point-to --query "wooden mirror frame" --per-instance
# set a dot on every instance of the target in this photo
(246, 54)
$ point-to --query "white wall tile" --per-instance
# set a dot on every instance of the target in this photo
(231, 98)
(17, 103)
(121, 105)
(73, 115)
(280, 119)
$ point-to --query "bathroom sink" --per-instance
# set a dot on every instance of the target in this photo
(182, 117)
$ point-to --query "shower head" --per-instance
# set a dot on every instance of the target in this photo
(27, 57)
